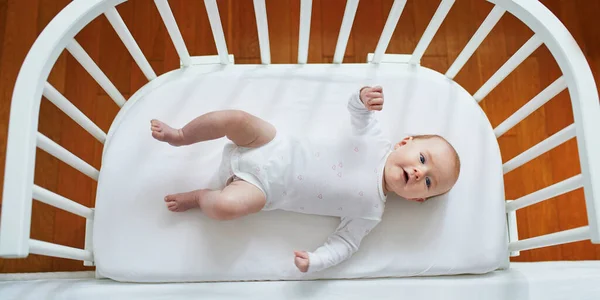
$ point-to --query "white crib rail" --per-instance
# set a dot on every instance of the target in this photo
(22, 133)
(586, 112)
(488, 24)
(217, 29)
(432, 28)
(23, 137)
(169, 20)
(344, 34)
(118, 24)
(304, 34)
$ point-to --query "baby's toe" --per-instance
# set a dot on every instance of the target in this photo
(158, 135)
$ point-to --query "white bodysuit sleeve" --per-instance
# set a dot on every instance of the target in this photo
(361, 119)
(341, 245)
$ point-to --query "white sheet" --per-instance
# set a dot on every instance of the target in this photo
(524, 281)
(137, 239)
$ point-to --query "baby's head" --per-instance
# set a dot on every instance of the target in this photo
(421, 167)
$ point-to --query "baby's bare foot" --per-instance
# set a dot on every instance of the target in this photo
(166, 133)
(183, 201)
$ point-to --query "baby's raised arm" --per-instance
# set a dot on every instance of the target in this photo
(361, 106)
(340, 246)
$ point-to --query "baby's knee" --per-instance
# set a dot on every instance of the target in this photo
(227, 208)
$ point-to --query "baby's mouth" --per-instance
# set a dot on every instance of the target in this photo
(405, 176)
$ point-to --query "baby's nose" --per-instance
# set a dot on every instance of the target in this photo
(418, 173)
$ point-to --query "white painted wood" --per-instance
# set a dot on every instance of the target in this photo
(432, 28)
(169, 20)
(482, 32)
(390, 58)
(304, 34)
(583, 92)
(65, 156)
(546, 193)
(388, 30)
(15, 221)
(557, 238)
(260, 12)
(124, 34)
(75, 114)
(540, 99)
(513, 232)
(217, 29)
(43, 195)
(344, 34)
(90, 66)
(89, 238)
(512, 63)
(542, 147)
(49, 249)
(210, 60)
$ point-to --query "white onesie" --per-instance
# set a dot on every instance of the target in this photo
(332, 177)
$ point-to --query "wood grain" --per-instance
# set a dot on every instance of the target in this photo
(22, 21)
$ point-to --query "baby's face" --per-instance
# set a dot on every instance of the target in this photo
(420, 168)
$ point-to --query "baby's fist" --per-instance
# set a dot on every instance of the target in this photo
(301, 260)
(372, 97)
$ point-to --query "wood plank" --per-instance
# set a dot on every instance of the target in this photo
(368, 25)
(114, 58)
(315, 46)
(280, 30)
(3, 9)
(332, 13)
(242, 37)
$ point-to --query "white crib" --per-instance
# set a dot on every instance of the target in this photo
(31, 84)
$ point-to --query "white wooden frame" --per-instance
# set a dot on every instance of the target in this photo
(31, 84)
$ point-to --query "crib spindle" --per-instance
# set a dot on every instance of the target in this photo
(432, 28)
(43, 195)
(217, 29)
(65, 156)
(344, 35)
(513, 232)
(557, 238)
(169, 20)
(482, 32)
(540, 99)
(75, 114)
(546, 193)
(260, 12)
(512, 63)
(49, 249)
(90, 66)
(121, 29)
(304, 34)
(542, 147)
(388, 30)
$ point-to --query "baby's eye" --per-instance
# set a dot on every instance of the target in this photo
(422, 158)
(428, 182)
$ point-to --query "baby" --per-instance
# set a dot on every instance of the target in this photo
(263, 169)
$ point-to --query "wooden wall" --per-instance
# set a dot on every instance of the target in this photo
(21, 22)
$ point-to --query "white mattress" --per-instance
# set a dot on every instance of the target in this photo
(137, 239)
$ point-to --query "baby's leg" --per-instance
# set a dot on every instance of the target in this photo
(236, 200)
(240, 127)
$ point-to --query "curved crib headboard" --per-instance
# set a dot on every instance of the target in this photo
(31, 84)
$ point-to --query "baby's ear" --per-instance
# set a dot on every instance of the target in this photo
(403, 142)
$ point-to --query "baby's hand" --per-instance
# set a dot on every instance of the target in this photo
(301, 261)
(372, 97)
